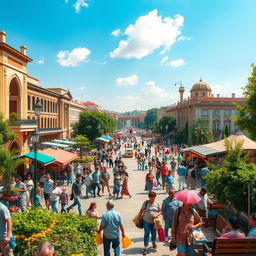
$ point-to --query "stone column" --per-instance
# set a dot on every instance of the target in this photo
(232, 125)
(210, 119)
(221, 120)
(198, 113)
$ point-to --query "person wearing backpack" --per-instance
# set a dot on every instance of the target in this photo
(184, 221)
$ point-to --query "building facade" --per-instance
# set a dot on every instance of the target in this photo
(130, 121)
(18, 94)
(216, 111)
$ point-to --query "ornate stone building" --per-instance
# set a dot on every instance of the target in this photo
(215, 110)
(18, 94)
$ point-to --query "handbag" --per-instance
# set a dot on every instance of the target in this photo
(138, 219)
(158, 223)
(12, 242)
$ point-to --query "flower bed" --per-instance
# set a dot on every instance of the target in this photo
(69, 233)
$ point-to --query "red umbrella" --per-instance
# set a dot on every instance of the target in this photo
(187, 196)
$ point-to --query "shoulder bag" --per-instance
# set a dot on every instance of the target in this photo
(138, 219)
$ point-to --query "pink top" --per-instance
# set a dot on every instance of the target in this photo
(233, 234)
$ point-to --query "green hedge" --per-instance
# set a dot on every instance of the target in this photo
(69, 233)
(86, 159)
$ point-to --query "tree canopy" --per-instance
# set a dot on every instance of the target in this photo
(228, 181)
(246, 120)
(5, 133)
(150, 118)
(166, 124)
(201, 132)
(93, 124)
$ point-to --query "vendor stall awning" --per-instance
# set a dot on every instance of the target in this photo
(219, 146)
(67, 142)
(55, 145)
(42, 158)
(61, 156)
(104, 139)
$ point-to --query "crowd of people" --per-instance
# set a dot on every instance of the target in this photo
(162, 165)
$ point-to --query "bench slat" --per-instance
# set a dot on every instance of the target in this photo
(236, 245)
(232, 250)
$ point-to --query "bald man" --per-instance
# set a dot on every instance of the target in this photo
(46, 249)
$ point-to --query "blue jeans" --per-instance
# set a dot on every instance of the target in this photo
(63, 208)
(115, 246)
(54, 205)
(22, 203)
(117, 188)
(142, 166)
(69, 178)
(158, 178)
(88, 191)
(139, 166)
(167, 225)
(149, 228)
(94, 186)
(76, 203)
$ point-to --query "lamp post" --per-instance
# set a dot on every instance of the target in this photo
(35, 139)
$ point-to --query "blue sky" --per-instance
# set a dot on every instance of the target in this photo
(128, 54)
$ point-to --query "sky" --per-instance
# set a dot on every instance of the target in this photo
(133, 54)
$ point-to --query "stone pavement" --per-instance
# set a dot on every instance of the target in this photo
(128, 208)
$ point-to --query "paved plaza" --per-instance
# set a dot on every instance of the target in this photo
(128, 208)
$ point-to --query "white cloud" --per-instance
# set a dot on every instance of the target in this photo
(82, 88)
(184, 38)
(177, 63)
(72, 58)
(103, 62)
(116, 32)
(173, 63)
(127, 81)
(226, 89)
(164, 60)
(41, 60)
(151, 95)
(79, 4)
(149, 33)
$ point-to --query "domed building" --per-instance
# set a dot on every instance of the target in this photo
(217, 111)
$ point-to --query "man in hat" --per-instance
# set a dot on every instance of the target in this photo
(202, 205)
(110, 224)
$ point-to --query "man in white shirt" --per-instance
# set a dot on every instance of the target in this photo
(202, 206)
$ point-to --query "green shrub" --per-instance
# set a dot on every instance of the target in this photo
(69, 233)
(86, 159)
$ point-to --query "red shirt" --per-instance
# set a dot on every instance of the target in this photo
(164, 170)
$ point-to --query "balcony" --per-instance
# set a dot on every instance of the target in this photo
(49, 130)
(23, 125)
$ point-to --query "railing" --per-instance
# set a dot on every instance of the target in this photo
(49, 129)
(25, 122)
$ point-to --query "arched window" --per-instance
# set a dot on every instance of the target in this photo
(44, 106)
(29, 102)
(45, 123)
(33, 102)
(14, 97)
(49, 122)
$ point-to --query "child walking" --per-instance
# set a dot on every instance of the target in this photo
(63, 200)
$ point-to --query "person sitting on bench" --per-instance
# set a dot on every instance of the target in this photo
(232, 230)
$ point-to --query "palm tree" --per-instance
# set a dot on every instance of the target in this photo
(201, 133)
(8, 165)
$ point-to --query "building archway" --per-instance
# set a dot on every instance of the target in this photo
(14, 97)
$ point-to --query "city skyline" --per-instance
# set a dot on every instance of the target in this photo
(129, 55)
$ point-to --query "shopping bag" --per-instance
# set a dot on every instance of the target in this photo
(138, 221)
(161, 235)
(126, 242)
(98, 238)
(155, 183)
(158, 223)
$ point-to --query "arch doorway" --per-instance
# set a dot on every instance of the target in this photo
(14, 97)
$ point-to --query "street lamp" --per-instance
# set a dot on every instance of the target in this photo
(38, 107)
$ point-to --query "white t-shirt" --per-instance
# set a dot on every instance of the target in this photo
(88, 180)
(28, 184)
(53, 194)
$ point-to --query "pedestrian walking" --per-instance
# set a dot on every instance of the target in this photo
(5, 230)
(104, 179)
(151, 209)
(174, 164)
(185, 220)
(182, 170)
(164, 172)
(96, 182)
(169, 205)
(88, 184)
(117, 185)
(63, 200)
(55, 196)
(125, 190)
(69, 170)
(76, 194)
(92, 211)
(202, 206)
(22, 202)
(149, 181)
(29, 185)
(47, 187)
(110, 224)
(169, 181)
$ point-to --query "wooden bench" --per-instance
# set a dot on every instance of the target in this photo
(212, 228)
(232, 247)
